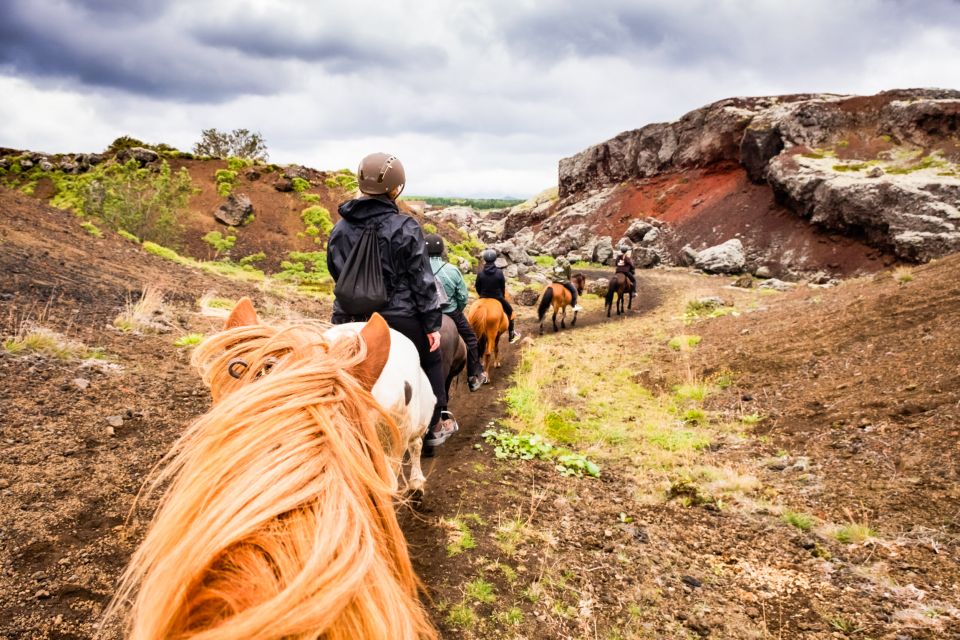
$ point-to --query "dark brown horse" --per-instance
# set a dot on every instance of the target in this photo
(619, 285)
(559, 297)
(453, 351)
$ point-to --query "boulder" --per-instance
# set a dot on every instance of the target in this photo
(688, 256)
(598, 287)
(776, 285)
(45, 165)
(638, 230)
(141, 155)
(511, 271)
(26, 163)
(644, 257)
(763, 271)
(722, 258)
(235, 210)
(501, 261)
(744, 282)
(603, 250)
(651, 236)
(528, 297)
(283, 184)
(252, 174)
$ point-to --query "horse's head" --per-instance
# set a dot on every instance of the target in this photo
(247, 349)
(579, 281)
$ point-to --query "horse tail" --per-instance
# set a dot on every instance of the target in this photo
(278, 519)
(545, 302)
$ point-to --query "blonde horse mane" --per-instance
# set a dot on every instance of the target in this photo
(278, 519)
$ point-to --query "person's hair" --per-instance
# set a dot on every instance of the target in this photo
(278, 517)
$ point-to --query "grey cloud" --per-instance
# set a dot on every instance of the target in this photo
(142, 56)
(338, 52)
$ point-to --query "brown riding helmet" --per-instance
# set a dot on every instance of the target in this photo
(380, 173)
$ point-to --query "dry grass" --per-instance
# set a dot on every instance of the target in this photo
(145, 314)
(34, 338)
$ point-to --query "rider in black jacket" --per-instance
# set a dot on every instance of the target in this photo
(492, 284)
(413, 307)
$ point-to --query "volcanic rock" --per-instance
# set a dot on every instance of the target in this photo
(235, 210)
(723, 258)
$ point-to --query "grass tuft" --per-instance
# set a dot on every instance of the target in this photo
(188, 340)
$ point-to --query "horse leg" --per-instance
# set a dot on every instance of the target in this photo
(563, 318)
(417, 479)
(496, 351)
(573, 322)
(555, 328)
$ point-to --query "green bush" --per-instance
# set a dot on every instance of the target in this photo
(429, 228)
(299, 184)
(317, 219)
(307, 270)
(238, 164)
(219, 242)
(147, 204)
(126, 235)
(252, 258)
(92, 229)
(225, 179)
(310, 198)
(125, 142)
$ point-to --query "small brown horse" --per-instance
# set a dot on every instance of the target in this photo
(489, 322)
(619, 285)
(559, 296)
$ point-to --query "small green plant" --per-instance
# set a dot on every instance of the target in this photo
(218, 303)
(126, 235)
(317, 220)
(694, 416)
(310, 198)
(683, 342)
(219, 242)
(307, 270)
(480, 590)
(92, 229)
(545, 260)
(854, 533)
(238, 164)
(462, 616)
(512, 617)
(692, 392)
(802, 521)
(751, 418)
(903, 275)
(188, 340)
(225, 179)
(429, 228)
(300, 184)
(163, 252)
(252, 259)
(527, 446)
(850, 167)
(459, 536)
(844, 626)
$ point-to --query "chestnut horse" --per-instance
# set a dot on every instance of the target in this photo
(489, 322)
(278, 516)
(559, 296)
(619, 285)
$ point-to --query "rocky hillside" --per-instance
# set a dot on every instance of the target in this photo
(268, 210)
(804, 183)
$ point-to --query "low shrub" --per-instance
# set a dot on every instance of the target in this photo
(317, 220)
(220, 242)
(92, 229)
(299, 184)
(225, 179)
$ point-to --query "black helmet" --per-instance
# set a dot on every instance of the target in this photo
(624, 248)
(489, 255)
(434, 245)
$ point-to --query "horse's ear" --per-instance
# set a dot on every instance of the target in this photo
(376, 336)
(243, 314)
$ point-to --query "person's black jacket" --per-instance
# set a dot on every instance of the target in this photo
(406, 268)
(490, 282)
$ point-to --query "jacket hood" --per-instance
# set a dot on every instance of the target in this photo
(365, 208)
(490, 267)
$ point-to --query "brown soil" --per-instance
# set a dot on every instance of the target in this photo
(861, 379)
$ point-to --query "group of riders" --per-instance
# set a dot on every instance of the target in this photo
(413, 266)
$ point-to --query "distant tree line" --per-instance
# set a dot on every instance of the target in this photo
(476, 203)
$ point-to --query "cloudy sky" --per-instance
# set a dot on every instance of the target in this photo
(478, 98)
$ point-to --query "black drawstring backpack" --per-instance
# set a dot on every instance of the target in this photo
(361, 289)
